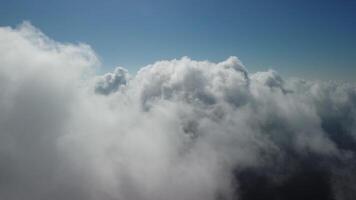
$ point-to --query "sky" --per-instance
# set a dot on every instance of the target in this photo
(308, 39)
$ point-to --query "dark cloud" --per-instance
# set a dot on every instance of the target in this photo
(178, 129)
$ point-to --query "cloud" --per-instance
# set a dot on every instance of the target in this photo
(178, 129)
(111, 82)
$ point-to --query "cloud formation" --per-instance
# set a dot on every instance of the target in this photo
(111, 82)
(178, 129)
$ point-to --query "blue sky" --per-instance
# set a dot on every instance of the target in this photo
(309, 39)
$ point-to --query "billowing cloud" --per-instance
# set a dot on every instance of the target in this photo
(111, 82)
(178, 129)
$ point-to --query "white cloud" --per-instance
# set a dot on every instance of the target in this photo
(178, 129)
(111, 82)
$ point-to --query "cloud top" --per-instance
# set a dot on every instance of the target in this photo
(178, 129)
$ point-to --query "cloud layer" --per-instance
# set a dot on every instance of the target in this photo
(178, 129)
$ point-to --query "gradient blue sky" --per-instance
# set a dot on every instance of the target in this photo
(310, 39)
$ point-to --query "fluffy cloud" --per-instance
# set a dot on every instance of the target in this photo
(111, 82)
(178, 129)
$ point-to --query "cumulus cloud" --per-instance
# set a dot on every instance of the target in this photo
(178, 129)
(111, 82)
